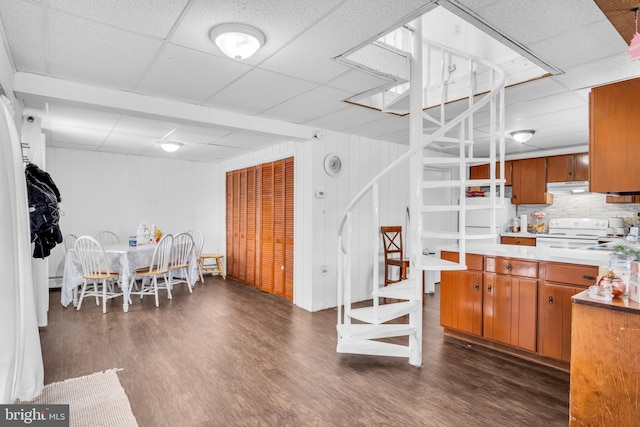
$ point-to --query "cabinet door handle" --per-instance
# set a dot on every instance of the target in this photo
(509, 267)
(476, 287)
(587, 277)
(489, 288)
(551, 300)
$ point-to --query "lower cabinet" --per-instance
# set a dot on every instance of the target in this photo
(461, 295)
(511, 301)
(561, 282)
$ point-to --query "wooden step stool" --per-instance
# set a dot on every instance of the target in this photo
(212, 268)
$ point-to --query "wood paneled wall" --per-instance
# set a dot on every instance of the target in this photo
(260, 226)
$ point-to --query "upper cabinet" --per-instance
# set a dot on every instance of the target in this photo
(614, 137)
(529, 178)
(569, 167)
(482, 172)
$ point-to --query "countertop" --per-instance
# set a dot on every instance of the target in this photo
(571, 256)
(622, 303)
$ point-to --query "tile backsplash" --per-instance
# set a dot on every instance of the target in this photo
(589, 205)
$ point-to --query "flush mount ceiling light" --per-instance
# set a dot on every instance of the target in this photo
(238, 41)
(634, 48)
(170, 147)
(522, 136)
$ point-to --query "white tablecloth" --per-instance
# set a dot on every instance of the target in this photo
(122, 259)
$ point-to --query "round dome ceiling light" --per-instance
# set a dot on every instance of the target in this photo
(237, 41)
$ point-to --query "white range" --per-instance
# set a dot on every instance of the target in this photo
(572, 233)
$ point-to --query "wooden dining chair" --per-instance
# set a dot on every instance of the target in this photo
(180, 253)
(97, 278)
(198, 244)
(159, 268)
(393, 253)
(106, 237)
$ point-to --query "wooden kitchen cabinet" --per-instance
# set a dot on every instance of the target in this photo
(613, 137)
(561, 282)
(529, 178)
(461, 295)
(482, 172)
(510, 302)
(568, 167)
(522, 241)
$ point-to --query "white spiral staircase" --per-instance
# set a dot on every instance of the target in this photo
(395, 328)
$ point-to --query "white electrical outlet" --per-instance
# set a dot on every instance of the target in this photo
(457, 28)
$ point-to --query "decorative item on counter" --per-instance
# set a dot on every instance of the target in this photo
(537, 222)
(514, 225)
(609, 283)
(133, 241)
(158, 235)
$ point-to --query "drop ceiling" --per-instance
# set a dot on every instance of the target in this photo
(119, 75)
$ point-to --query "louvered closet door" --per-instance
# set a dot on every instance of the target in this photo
(242, 228)
(278, 228)
(250, 235)
(266, 227)
(260, 209)
(236, 225)
(229, 220)
(288, 228)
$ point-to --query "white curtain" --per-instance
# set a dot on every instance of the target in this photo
(21, 368)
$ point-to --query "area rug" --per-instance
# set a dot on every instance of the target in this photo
(94, 400)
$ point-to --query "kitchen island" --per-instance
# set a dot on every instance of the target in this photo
(605, 363)
(516, 299)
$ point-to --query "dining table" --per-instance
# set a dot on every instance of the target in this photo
(124, 260)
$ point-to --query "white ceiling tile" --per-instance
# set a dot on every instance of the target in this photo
(534, 89)
(127, 143)
(529, 21)
(76, 135)
(27, 47)
(356, 81)
(567, 51)
(215, 153)
(247, 141)
(257, 91)
(349, 117)
(128, 125)
(65, 115)
(198, 135)
(315, 103)
(194, 75)
(388, 125)
(611, 69)
(152, 17)
(91, 52)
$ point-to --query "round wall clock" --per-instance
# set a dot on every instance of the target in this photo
(332, 164)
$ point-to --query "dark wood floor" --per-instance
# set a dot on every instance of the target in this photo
(230, 355)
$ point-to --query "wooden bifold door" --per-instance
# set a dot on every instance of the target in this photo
(260, 226)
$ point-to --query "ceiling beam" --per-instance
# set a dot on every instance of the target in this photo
(35, 87)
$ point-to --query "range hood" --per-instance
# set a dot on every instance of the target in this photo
(570, 187)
